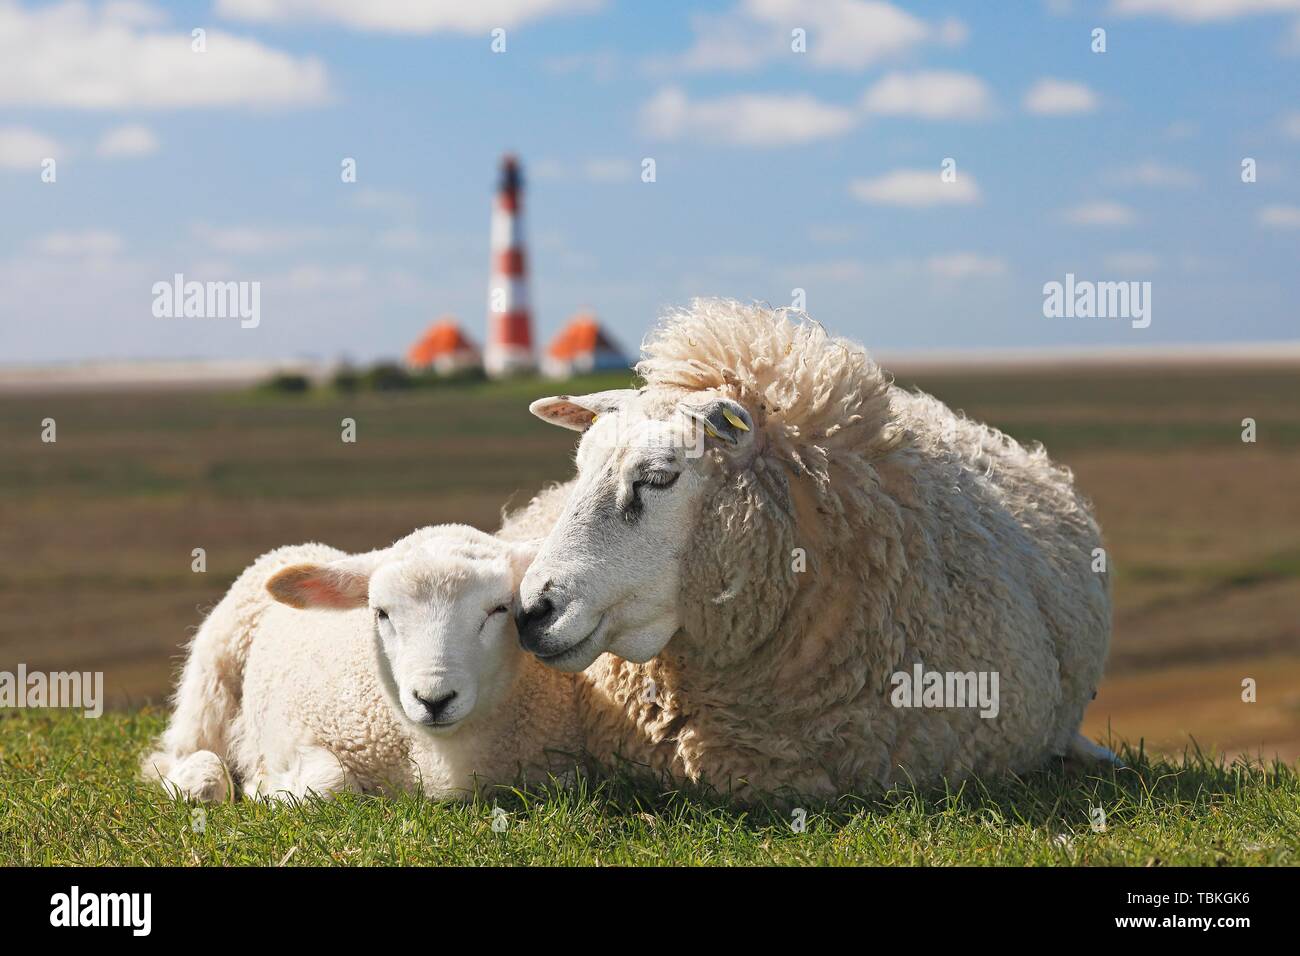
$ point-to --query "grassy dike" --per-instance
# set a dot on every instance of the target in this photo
(71, 796)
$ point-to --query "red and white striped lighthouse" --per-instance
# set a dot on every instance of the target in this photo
(510, 323)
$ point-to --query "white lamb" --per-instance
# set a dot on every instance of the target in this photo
(393, 670)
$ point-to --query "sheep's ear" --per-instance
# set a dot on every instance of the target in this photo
(722, 420)
(579, 411)
(339, 585)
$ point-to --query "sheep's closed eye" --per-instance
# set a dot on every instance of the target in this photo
(499, 609)
(381, 614)
(657, 479)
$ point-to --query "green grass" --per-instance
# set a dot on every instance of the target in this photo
(70, 796)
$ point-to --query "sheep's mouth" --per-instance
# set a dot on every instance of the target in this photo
(575, 651)
(442, 726)
(438, 724)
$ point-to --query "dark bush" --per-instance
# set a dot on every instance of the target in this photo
(346, 379)
(289, 383)
(466, 376)
(388, 377)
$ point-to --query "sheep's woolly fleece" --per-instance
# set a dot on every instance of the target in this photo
(929, 540)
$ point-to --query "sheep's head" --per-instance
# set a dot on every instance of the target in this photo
(608, 577)
(440, 606)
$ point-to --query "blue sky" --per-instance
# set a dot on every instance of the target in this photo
(775, 170)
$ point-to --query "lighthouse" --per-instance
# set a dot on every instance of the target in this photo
(510, 323)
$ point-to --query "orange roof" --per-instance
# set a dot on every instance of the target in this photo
(582, 335)
(444, 337)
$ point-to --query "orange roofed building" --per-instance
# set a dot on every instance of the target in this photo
(445, 348)
(582, 346)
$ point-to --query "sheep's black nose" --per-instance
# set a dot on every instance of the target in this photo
(436, 708)
(532, 622)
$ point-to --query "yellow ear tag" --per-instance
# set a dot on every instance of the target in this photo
(731, 416)
(708, 430)
(593, 419)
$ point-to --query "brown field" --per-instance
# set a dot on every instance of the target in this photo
(1203, 530)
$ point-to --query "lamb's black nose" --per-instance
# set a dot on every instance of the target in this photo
(532, 622)
(436, 708)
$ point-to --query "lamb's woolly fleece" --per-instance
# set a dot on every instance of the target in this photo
(929, 538)
(292, 701)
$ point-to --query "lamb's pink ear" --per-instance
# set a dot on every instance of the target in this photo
(338, 586)
(579, 411)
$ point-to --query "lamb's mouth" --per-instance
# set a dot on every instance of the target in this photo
(439, 726)
(575, 651)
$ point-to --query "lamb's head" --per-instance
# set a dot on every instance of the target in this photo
(441, 603)
(608, 577)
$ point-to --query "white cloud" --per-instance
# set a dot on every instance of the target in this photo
(211, 268)
(86, 242)
(406, 16)
(602, 66)
(597, 169)
(404, 239)
(841, 34)
(73, 55)
(127, 141)
(1152, 173)
(1291, 42)
(1181, 129)
(831, 233)
(1101, 213)
(593, 169)
(745, 120)
(915, 187)
(314, 308)
(1131, 261)
(965, 265)
(133, 13)
(1050, 97)
(1200, 11)
(1280, 217)
(379, 200)
(316, 278)
(834, 270)
(93, 296)
(255, 240)
(950, 267)
(934, 94)
(548, 169)
(21, 147)
(555, 247)
(607, 170)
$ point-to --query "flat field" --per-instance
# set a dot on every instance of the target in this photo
(97, 530)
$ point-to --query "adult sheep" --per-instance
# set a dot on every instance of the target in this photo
(787, 531)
